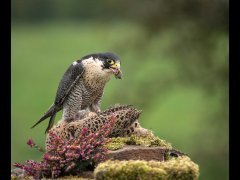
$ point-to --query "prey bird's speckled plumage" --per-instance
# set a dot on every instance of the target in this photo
(126, 124)
(82, 85)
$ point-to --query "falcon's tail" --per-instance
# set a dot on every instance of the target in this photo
(50, 113)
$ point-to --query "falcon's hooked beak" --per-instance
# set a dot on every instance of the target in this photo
(116, 70)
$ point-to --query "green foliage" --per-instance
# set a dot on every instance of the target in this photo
(181, 168)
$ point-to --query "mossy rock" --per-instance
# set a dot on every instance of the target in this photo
(148, 140)
(133, 152)
(147, 147)
(181, 168)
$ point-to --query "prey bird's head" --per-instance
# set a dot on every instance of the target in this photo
(109, 62)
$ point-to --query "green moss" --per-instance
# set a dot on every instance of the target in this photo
(116, 143)
(65, 177)
(181, 168)
(167, 156)
(23, 178)
(74, 178)
(147, 140)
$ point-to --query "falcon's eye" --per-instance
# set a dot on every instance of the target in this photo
(110, 61)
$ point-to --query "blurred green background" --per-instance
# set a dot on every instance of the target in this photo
(174, 59)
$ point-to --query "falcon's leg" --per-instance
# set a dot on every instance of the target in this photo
(81, 114)
(94, 108)
(71, 109)
(69, 119)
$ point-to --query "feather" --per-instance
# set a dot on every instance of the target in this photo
(51, 112)
(69, 79)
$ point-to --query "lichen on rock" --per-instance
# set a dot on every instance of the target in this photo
(181, 168)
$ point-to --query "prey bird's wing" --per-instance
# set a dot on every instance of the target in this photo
(69, 79)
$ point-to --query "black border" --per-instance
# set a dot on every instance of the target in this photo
(234, 91)
(5, 89)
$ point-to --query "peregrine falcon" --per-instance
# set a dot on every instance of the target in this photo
(81, 87)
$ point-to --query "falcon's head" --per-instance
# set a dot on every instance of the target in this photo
(108, 62)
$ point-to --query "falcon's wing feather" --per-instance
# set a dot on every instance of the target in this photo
(69, 79)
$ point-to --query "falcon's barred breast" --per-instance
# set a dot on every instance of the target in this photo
(81, 87)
